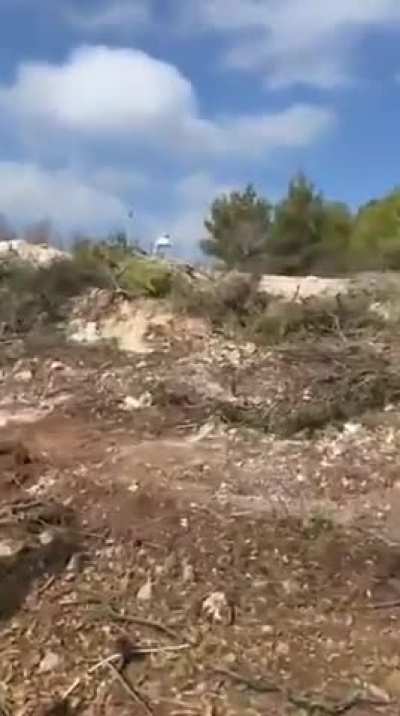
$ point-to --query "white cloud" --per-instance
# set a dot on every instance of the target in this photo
(100, 90)
(29, 193)
(116, 92)
(109, 15)
(297, 126)
(294, 41)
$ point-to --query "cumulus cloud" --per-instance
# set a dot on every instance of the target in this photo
(100, 90)
(28, 193)
(114, 92)
(294, 41)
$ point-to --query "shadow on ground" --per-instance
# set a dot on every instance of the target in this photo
(41, 539)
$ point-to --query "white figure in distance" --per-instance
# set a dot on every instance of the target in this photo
(161, 245)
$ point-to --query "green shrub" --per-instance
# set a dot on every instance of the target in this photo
(145, 277)
(31, 296)
(125, 269)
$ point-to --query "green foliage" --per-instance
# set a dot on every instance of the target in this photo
(32, 296)
(298, 225)
(332, 256)
(309, 234)
(145, 277)
(104, 255)
(302, 234)
(375, 243)
(125, 269)
(238, 227)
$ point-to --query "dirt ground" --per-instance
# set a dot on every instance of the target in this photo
(157, 557)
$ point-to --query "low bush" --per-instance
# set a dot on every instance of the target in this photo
(145, 277)
(316, 316)
(32, 296)
(228, 302)
(125, 269)
(233, 303)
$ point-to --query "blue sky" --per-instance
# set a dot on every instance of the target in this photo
(159, 105)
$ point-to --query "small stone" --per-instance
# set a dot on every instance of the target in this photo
(352, 428)
(216, 607)
(267, 630)
(49, 662)
(57, 365)
(23, 376)
(75, 563)
(143, 401)
(10, 548)
(46, 537)
(145, 592)
(282, 649)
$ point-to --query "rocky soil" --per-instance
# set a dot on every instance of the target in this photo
(197, 526)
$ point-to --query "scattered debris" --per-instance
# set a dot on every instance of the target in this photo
(200, 499)
(217, 608)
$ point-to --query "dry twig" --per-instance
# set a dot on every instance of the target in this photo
(134, 694)
(259, 685)
(104, 662)
(139, 651)
(310, 704)
(116, 616)
(383, 605)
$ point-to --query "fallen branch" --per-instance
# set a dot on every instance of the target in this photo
(139, 651)
(134, 694)
(15, 506)
(263, 687)
(116, 616)
(315, 706)
(48, 583)
(310, 704)
(109, 662)
(383, 605)
(160, 649)
(104, 662)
